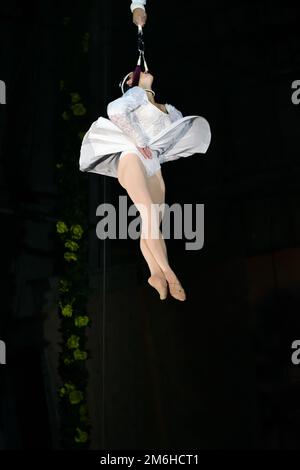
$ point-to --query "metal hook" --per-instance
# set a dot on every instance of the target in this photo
(141, 45)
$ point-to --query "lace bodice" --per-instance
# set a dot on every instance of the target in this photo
(152, 119)
(138, 118)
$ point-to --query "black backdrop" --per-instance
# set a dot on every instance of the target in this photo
(216, 371)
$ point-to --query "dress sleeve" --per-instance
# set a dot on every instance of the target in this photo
(121, 113)
(174, 112)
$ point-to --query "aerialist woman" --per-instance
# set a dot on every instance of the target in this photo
(131, 145)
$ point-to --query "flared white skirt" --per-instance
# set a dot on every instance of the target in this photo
(104, 144)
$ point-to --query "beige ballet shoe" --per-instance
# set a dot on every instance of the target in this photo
(160, 284)
(177, 291)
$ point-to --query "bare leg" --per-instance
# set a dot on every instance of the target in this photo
(132, 176)
(157, 192)
(154, 267)
(157, 279)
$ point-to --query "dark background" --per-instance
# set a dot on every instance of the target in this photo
(214, 372)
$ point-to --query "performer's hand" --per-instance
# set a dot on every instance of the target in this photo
(139, 16)
(145, 151)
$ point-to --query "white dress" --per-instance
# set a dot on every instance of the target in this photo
(135, 121)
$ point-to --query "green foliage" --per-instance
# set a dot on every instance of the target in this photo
(71, 235)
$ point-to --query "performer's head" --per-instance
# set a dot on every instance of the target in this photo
(145, 80)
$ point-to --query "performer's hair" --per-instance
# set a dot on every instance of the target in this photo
(123, 83)
(135, 78)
